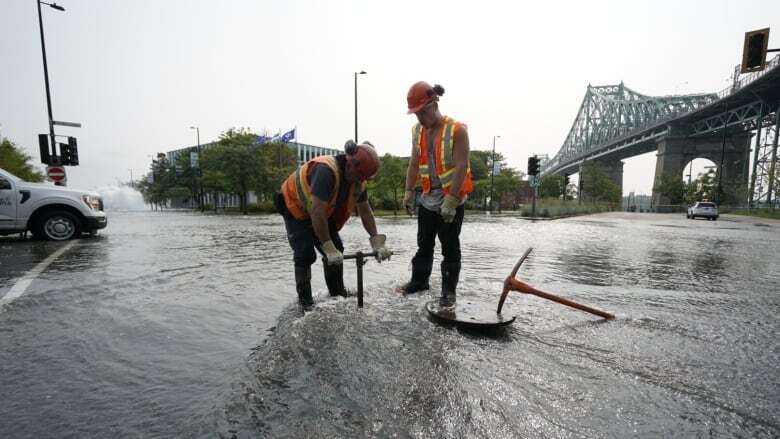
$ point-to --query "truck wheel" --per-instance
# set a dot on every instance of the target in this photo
(58, 225)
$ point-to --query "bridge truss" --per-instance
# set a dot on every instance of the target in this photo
(616, 117)
(765, 179)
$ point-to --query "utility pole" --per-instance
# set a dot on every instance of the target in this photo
(492, 171)
(362, 72)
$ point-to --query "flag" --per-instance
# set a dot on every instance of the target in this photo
(259, 140)
(288, 136)
(276, 137)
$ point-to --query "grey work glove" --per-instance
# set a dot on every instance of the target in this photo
(378, 244)
(332, 255)
(449, 207)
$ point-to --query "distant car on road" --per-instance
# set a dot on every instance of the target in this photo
(703, 209)
(50, 212)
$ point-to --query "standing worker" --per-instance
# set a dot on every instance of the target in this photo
(440, 158)
(316, 201)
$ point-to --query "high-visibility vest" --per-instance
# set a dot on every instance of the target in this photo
(445, 165)
(297, 192)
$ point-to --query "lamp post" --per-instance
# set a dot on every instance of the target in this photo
(200, 170)
(46, 73)
(493, 170)
(362, 72)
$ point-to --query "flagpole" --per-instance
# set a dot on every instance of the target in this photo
(297, 146)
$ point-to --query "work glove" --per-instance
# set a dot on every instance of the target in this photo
(378, 244)
(409, 200)
(332, 255)
(448, 207)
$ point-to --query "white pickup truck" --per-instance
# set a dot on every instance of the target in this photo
(50, 212)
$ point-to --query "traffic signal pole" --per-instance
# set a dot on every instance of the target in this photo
(533, 171)
(46, 80)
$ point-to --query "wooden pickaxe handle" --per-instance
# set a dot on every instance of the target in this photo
(512, 284)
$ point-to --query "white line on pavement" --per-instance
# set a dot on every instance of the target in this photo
(21, 285)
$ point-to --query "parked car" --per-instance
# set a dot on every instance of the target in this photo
(50, 212)
(703, 209)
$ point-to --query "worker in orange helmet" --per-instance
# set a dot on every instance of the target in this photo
(440, 159)
(316, 201)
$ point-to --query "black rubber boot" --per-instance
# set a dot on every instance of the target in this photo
(449, 283)
(303, 287)
(334, 279)
(419, 282)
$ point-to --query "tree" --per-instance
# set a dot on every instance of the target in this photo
(671, 187)
(155, 184)
(479, 162)
(280, 161)
(597, 186)
(551, 186)
(702, 188)
(505, 184)
(236, 158)
(15, 161)
(390, 181)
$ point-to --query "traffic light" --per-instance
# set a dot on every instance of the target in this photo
(533, 165)
(754, 50)
(65, 154)
(43, 145)
(70, 152)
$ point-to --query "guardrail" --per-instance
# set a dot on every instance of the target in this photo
(748, 78)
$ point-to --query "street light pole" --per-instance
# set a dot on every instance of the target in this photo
(46, 74)
(362, 72)
(200, 170)
(493, 170)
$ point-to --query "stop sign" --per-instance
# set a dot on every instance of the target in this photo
(56, 173)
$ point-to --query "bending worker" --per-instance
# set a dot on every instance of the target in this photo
(316, 201)
(440, 158)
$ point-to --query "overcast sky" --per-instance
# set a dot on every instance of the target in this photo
(137, 74)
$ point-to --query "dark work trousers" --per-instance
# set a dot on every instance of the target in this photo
(430, 225)
(303, 241)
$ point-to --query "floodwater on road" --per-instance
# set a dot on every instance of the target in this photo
(181, 325)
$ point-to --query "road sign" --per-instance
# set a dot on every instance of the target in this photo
(56, 174)
(66, 124)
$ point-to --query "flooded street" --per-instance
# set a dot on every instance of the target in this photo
(181, 325)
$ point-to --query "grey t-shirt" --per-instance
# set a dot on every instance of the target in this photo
(433, 199)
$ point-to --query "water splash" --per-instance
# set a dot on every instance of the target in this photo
(121, 197)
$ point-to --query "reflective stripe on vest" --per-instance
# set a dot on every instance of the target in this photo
(303, 188)
(445, 164)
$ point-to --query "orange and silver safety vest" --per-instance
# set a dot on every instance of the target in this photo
(297, 192)
(445, 165)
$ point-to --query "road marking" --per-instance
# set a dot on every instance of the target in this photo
(21, 285)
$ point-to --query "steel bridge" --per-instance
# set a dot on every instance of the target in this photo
(615, 122)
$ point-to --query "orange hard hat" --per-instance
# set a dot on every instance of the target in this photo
(419, 94)
(364, 160)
